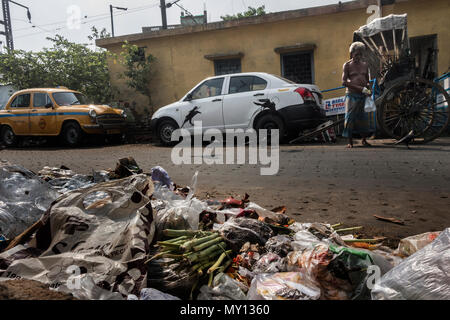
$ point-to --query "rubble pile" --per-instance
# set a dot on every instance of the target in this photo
(124, 234)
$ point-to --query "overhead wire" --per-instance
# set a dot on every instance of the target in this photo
(89, 20)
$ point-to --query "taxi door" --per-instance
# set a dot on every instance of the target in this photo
(42, 115)
(19, 112)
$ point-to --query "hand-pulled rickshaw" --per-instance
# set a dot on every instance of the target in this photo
(410, 103)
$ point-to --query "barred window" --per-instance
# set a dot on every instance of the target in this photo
(227, 66)
(298, 67)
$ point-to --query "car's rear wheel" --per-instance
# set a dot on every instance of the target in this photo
(165, 130)
(8, 137)
(71, 134)
(270, 122)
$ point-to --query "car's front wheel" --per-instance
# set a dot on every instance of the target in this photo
(8, 137)
(165, 130)
(71, 134)
(270, 122)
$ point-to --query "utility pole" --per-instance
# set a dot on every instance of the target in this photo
(111, 7)
(163, 13)
(7, 22)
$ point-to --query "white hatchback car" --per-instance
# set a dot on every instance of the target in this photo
(243, 100)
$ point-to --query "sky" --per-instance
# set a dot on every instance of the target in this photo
(74, 19)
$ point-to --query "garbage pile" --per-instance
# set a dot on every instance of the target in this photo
(123, 234)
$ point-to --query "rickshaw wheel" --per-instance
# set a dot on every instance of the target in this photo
(420, 105)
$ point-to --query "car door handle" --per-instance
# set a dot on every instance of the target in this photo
(258, 94)
(217, 100)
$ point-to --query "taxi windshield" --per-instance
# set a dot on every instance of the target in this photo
(69, 98)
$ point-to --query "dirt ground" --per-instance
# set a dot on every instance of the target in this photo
(316, 182)
(23, 289)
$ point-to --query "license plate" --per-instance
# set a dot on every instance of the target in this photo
(114, 131)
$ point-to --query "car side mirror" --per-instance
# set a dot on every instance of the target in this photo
(188, 97)
(49, 105)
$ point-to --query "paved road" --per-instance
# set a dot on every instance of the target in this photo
(326, 183)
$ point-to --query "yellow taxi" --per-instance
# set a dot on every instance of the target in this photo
(57, 112)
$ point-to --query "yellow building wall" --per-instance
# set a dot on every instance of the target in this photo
(180, 62)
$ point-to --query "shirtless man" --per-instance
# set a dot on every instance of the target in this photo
(356, 78)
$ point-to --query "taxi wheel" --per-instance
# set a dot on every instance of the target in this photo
(165, 131)
(8, 137)
(269, 122)
(71, 134)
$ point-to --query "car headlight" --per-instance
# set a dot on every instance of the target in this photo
(123, 114)
(92, 113)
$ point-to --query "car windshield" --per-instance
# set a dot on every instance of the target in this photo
(69, 98)
(284, 79)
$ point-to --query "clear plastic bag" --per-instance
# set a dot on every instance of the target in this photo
(422, 276)
(237, 232)
(369, 105)
(224, 288)
(270, 263)
(24, 197)
(281, 245)
(153, 294)
(176, 213)
(283, 286)
(410, 245)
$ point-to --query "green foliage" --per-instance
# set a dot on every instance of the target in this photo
(138, 68)
(251, 12)
(67, 64)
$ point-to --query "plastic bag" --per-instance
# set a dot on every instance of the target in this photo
(177, 214)
(224, 288)
(270, 263)
(237, 232)
(24, 197)
(369, 105)
(412, 244)
(304, 240)
(281, 245)
(88, 290)
(268, 215)
(153, 294)
(283, 286)
(104, 231)
(423, 275)
(161, 175)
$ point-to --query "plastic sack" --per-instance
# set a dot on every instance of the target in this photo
(410, 245)
(423, 275)
(223, 288)
(283, 286)
(237, 232)
(24, 197)
(369, 105)
(104, 231)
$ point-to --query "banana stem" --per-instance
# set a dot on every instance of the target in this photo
(219, 261)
